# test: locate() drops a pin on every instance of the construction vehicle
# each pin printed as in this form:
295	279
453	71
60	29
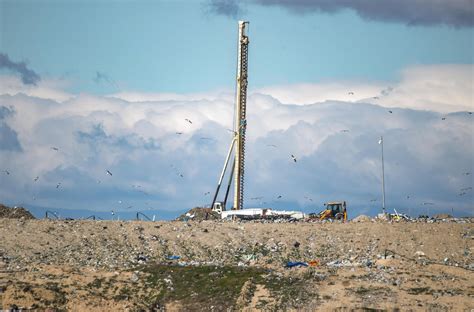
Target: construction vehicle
334	211
240	125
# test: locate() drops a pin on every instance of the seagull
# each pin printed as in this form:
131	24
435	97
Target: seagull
294	158
344	130
54	148
179	133
182	176
470	113
310	199
279	196
467	173
256	198
207	193
58	185
462	193
129	207
408	196
373	200
427	203
188	120
466	189
350	93
36	179
375	97
7	172
444	118
272	145
204	138
108	172
390	112
113	212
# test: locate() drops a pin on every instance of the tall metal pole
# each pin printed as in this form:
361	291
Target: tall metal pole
383	178
240	116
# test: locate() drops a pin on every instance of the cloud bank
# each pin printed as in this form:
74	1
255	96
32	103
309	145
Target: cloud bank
160	161
457	13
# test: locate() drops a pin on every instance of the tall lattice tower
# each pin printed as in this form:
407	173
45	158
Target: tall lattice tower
240	116
240	125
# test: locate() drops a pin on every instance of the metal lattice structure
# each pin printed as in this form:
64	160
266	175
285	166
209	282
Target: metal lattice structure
240	127
240	115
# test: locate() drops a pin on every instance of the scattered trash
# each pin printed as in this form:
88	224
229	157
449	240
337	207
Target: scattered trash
313	263
296	264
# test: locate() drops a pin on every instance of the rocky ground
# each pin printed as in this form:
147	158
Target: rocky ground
79	265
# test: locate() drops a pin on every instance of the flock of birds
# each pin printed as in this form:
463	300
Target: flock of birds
463	191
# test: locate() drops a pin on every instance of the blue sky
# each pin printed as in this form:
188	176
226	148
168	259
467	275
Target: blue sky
181	46
110	84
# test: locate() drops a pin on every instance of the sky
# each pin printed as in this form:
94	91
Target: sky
90	86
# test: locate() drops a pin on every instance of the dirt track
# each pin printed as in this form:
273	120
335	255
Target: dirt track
79	265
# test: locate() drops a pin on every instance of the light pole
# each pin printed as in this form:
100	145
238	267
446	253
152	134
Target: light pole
383	177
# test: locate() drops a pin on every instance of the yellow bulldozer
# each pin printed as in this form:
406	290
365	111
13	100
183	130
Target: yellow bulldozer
334	211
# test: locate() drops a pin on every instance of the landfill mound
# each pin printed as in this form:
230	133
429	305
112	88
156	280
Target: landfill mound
199	214
15	213
84	265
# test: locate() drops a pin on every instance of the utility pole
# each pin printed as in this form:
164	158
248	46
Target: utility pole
383	178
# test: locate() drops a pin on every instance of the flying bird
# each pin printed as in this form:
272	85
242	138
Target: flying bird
182	176
344	130
7	172
272	145
256	198
108	172
207	193
129	207
188	120
279	196
98	181
470	113
466	189
427	203
375	97
310	199
58	185
462	193
373	200
54	148
36	179
444	118
294	158
350	93
179	133
390	112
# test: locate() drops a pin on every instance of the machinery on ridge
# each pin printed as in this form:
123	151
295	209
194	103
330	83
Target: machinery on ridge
240	125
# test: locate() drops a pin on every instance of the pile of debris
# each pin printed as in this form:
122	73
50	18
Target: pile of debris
15	213
199	214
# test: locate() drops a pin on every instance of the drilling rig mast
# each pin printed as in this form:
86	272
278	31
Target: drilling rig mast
240	126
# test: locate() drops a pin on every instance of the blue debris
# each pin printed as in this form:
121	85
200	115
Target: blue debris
173	257
296	264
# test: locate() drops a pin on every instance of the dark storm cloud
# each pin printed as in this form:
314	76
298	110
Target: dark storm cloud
28	76
457	13
229	8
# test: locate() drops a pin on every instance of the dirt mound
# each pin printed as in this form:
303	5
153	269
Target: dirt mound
199	214
443	216
361	218
15	213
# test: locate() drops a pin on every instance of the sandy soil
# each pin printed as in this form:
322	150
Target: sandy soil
124	266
